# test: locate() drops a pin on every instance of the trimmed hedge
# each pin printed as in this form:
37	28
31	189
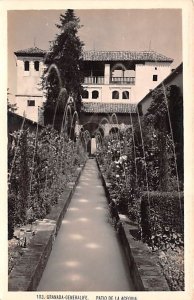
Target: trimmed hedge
162	219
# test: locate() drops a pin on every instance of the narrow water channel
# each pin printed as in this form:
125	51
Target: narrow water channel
86	255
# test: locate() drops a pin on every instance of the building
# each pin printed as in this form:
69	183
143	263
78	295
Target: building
122	76
175	113
114	82
29	95
174	78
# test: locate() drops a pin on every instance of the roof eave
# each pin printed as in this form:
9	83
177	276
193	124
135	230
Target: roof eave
29	54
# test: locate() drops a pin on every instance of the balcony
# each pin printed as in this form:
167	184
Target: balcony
122	80
113	80
94	80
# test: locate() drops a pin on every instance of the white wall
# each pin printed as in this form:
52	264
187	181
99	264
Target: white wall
143	83
28	81
105	93
31	112
29	88
144	77
173	80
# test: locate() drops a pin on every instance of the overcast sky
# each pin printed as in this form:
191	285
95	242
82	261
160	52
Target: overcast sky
126	29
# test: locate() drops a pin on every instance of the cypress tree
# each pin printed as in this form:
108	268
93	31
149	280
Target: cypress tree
66	54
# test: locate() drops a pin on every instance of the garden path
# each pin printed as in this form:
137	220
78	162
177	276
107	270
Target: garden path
86	255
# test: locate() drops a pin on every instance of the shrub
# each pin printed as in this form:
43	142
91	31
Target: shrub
43	164
162	219
172	263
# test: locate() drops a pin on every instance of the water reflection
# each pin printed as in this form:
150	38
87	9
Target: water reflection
88	246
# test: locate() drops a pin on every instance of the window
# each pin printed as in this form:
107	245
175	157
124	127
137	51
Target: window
115	95
36	65
156	68
26	66
125	95
95	94
85	94
31	103
155	77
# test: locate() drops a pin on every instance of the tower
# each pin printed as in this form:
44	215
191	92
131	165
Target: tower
29	96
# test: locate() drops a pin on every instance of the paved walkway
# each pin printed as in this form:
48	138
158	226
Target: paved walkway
86	255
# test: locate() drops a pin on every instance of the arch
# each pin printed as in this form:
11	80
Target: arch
85	94
118	66
115	95
36	65
114	130
125	95
26	65
101	130
95	94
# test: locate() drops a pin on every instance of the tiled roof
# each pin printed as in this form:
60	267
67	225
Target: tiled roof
97	107
31	51
125	55
107	55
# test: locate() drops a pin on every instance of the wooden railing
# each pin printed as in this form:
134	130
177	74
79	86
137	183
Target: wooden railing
122	80
113	80
94	80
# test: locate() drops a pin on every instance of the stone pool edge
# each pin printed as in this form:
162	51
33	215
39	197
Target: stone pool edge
27	273
142	263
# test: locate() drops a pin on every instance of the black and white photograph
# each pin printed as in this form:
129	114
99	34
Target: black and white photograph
96	153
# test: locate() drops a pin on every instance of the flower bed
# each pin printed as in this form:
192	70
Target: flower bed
41	164
129	173
162	219
172	264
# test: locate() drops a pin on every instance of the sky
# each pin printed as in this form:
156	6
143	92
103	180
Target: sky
103	29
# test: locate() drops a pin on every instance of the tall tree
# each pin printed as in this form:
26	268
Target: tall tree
66	54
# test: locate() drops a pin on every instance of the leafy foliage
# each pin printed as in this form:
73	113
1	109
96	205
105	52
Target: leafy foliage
172	264
162	219
141	167
117	157
165	115
44	163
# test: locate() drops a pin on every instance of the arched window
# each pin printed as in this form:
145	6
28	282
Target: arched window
95	95
85	94
36	65
26	66
115	95
125	95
